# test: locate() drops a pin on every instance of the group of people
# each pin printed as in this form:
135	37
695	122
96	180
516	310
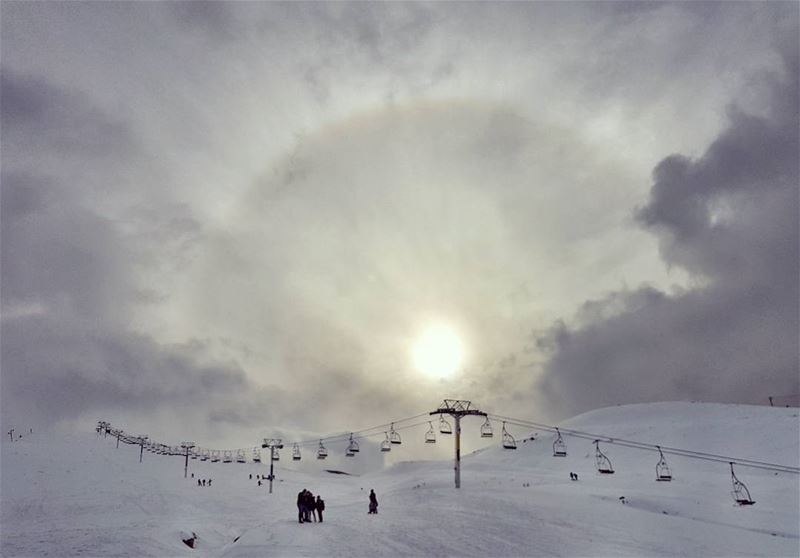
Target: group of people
308	507
259	478
203	482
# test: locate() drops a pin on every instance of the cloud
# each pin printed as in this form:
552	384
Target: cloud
729	218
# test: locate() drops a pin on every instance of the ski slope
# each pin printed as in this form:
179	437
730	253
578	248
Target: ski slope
80	496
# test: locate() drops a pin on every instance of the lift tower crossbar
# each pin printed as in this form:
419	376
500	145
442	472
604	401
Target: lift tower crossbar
457	408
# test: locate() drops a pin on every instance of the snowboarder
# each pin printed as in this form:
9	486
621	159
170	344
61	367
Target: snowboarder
373	502
320	505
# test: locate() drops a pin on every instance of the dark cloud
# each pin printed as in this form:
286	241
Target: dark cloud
39	117
729	218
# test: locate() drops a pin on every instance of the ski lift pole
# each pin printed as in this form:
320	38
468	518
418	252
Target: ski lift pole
186	446
457	408
272	444
458	451
141	446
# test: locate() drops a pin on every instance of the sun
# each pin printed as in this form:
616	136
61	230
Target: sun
438	352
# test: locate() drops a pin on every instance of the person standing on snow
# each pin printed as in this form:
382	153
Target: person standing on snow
373	502
310	507
320	505
301	506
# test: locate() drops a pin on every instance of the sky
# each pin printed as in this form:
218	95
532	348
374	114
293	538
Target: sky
223	221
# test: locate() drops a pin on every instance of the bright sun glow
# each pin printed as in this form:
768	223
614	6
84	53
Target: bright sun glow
438	352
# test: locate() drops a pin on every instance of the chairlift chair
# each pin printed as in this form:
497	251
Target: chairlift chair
663	474
204	455
444	426
740	493
603	462
348	452
430	435
559	447
352	447
193	455
296	453
322	453
276	455
486	429
508	440
215	456
386	445
240	457
256	455
227	456
394	437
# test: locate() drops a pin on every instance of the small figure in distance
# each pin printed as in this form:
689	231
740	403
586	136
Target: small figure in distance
259	482
204	482
199	483
373	502
251	476
209	482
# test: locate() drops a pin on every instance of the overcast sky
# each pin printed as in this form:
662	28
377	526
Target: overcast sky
224	221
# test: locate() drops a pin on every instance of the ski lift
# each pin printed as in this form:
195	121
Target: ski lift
444	426
227	456
508	439
322	453
740	493
559	447
430	435
215	456
386	445
276	456
194	454
296	453
240	457
663	473
486	429
352	446
256	455
348	452
394	437
204	455
603	462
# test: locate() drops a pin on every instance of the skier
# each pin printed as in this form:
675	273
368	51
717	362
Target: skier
373	502
199	483
320	506
251	476
259	483
204	482
209	482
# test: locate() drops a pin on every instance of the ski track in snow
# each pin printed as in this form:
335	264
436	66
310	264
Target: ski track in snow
80	496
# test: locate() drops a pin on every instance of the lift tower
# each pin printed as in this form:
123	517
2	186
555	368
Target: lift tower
457	408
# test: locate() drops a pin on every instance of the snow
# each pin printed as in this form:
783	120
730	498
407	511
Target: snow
80	496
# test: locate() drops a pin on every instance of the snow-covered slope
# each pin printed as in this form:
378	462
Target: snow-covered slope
79	496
